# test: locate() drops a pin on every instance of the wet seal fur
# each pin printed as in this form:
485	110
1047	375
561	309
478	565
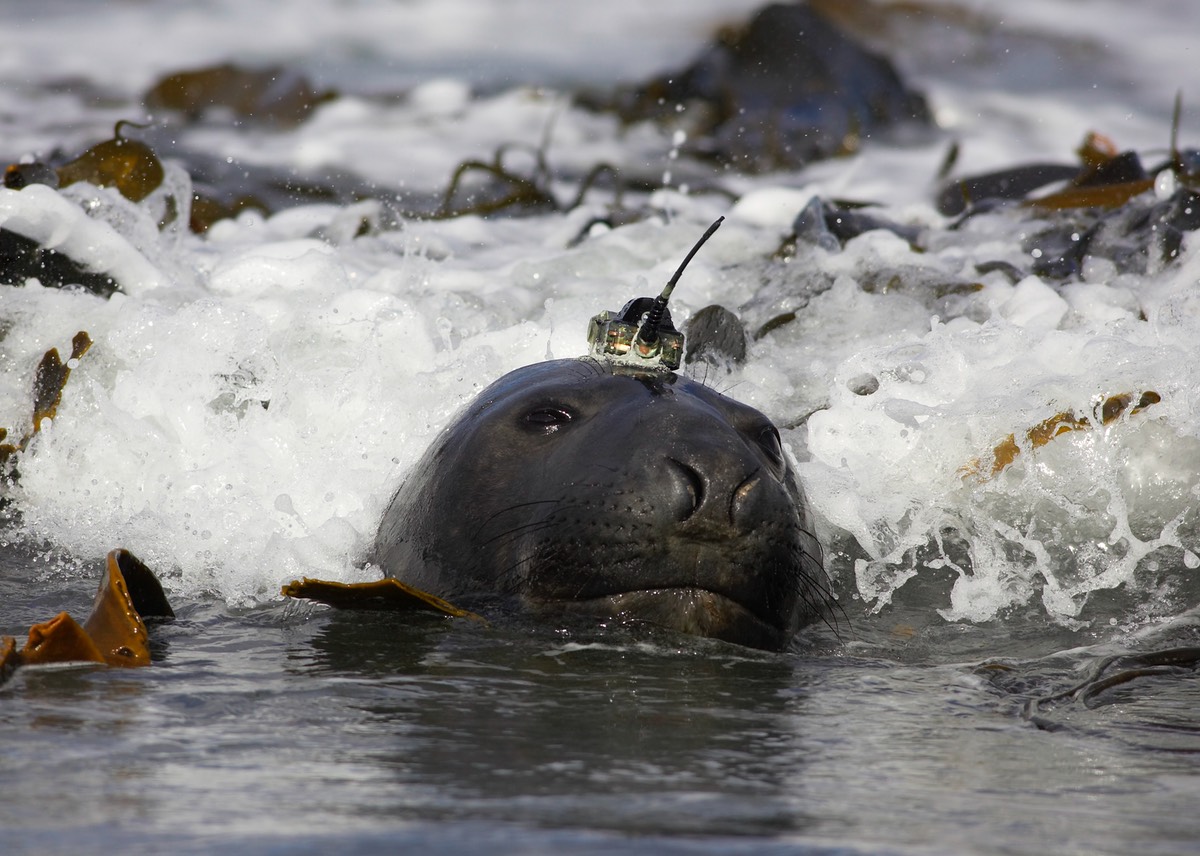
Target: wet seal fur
574	485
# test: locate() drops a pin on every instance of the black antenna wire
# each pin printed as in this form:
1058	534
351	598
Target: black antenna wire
648	334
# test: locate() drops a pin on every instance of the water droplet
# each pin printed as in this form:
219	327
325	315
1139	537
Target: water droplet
1164	184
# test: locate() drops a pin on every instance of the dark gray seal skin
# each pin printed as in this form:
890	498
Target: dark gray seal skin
571	485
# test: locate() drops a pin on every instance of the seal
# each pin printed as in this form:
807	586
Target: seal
642	496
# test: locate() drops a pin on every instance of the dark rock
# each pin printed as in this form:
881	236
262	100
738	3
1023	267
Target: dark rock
715	334
1142	232
785	89
810	227
830	225
22	259
19	175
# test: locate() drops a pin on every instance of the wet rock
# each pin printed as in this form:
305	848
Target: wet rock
1111	207
1143	232
786	88
863	384
64	242
22	259
830	225
811	227
19	175
273	96
714	334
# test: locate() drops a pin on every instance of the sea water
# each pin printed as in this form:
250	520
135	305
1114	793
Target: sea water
258	392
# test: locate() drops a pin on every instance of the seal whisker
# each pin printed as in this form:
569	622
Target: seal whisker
511	508
524	529
542	558
818	596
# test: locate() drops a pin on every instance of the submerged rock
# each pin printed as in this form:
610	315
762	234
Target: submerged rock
785	89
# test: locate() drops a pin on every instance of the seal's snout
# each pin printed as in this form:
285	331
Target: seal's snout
723	497
718	483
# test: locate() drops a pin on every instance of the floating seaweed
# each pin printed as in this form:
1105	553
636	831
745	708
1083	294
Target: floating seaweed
388	594
506	191
1105	413
1110	672
207	210
132	167
48	384
114	634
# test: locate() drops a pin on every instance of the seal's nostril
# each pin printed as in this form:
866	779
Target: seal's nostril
691	489
744	501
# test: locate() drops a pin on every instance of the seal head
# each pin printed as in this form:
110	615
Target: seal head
572	484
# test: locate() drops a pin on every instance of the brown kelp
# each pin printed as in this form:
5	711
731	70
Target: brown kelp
114	634
48	383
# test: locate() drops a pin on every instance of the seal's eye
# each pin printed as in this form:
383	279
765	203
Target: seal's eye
547	419
768	439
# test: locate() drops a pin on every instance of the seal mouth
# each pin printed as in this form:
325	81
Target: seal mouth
688	609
